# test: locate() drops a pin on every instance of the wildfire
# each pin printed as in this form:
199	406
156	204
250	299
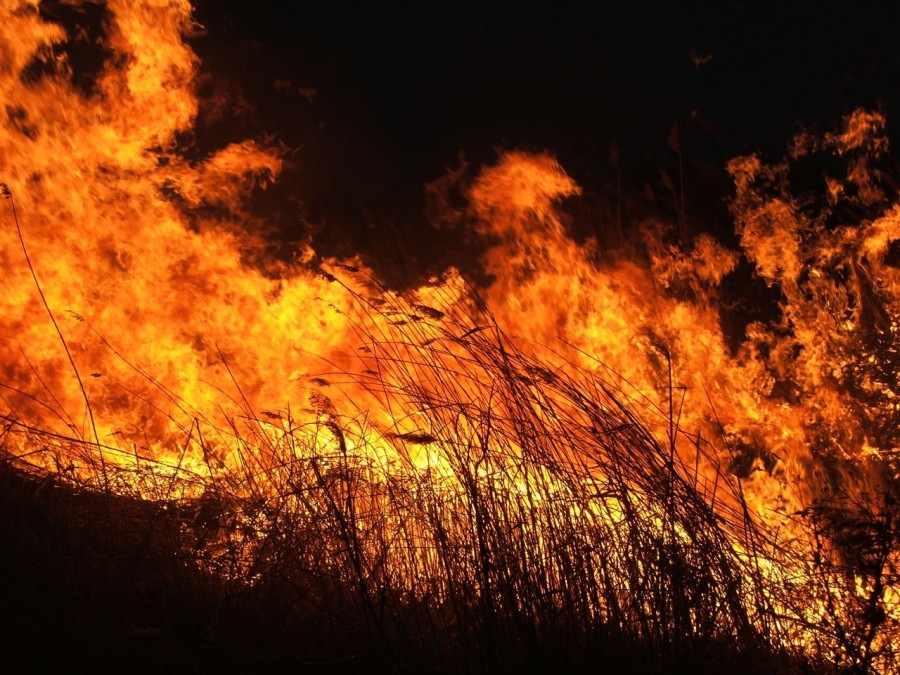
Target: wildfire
143	352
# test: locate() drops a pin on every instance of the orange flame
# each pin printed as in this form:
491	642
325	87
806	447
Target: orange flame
131	319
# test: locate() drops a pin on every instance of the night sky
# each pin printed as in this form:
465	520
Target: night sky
380	100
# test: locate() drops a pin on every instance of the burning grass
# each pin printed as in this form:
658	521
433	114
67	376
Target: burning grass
526	520
218	461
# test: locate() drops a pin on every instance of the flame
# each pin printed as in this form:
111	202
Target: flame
136	328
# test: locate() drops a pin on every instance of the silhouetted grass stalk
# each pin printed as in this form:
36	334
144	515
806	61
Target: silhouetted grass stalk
546	518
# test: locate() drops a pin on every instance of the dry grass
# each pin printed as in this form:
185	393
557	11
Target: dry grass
554	532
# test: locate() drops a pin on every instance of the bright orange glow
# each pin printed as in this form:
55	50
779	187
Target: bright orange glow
135	331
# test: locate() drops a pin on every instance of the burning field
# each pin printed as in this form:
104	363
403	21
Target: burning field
218	459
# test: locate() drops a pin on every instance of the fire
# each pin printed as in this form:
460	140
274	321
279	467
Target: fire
140	333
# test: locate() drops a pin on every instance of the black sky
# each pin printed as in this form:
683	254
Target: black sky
401	90
434	75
